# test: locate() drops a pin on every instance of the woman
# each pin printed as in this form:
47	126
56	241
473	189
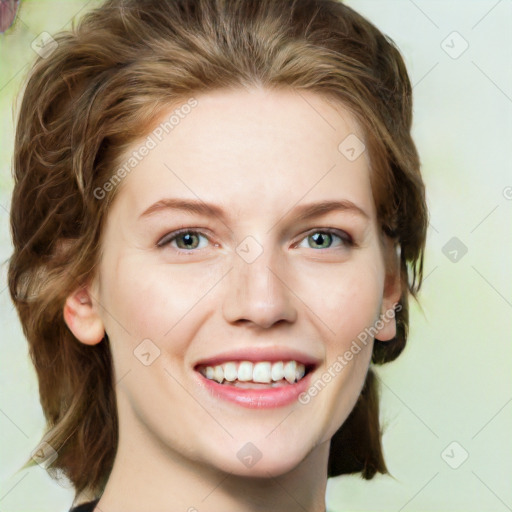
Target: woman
227	221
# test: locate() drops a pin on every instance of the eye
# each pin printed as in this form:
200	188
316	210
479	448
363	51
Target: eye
186	240
189	240
322	238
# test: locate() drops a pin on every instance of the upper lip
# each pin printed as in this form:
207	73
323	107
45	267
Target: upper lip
255	354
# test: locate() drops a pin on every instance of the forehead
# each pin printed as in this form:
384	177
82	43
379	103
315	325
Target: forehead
259	147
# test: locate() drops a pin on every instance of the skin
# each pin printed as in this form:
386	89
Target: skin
258	154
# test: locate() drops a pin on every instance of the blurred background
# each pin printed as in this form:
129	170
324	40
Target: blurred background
446	405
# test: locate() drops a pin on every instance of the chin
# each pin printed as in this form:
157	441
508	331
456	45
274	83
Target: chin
261	459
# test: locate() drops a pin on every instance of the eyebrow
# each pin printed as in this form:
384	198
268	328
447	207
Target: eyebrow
301	212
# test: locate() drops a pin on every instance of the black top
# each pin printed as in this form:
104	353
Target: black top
85	507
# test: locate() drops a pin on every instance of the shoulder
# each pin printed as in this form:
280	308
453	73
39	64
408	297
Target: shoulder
85	507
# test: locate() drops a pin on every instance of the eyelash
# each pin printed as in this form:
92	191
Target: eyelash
166	240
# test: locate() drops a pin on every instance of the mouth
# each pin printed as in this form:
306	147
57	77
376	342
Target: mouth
256	379
256	374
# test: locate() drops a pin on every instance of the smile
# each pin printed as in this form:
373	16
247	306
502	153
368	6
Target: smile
245	374
256	384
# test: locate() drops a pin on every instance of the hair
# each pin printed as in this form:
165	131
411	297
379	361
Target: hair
105	84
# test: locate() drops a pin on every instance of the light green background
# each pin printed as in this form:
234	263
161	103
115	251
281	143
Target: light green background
453	381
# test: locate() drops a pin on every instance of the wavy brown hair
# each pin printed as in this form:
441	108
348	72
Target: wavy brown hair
99	91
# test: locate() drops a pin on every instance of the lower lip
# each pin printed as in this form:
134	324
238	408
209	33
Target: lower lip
257	398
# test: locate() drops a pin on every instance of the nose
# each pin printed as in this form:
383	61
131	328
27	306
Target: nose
258	292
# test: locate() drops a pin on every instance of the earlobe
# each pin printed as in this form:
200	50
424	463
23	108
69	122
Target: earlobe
82	318
386	324
390	299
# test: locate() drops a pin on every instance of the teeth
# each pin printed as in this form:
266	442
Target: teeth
277	371
262	372
300	372
289	371
230	372
245	371
218	374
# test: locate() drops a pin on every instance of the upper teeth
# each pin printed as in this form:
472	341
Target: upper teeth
263	371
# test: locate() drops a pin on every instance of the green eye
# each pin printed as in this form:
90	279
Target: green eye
190	240
186	240
323	239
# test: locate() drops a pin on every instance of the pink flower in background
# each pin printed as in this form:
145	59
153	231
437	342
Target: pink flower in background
8	9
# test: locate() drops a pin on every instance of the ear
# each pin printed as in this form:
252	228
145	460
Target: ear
82	318
391	293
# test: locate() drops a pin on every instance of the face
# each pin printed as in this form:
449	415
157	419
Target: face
261	277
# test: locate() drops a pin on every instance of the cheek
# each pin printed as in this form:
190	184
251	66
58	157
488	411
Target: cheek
156	301
351	304
343	298
358	306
